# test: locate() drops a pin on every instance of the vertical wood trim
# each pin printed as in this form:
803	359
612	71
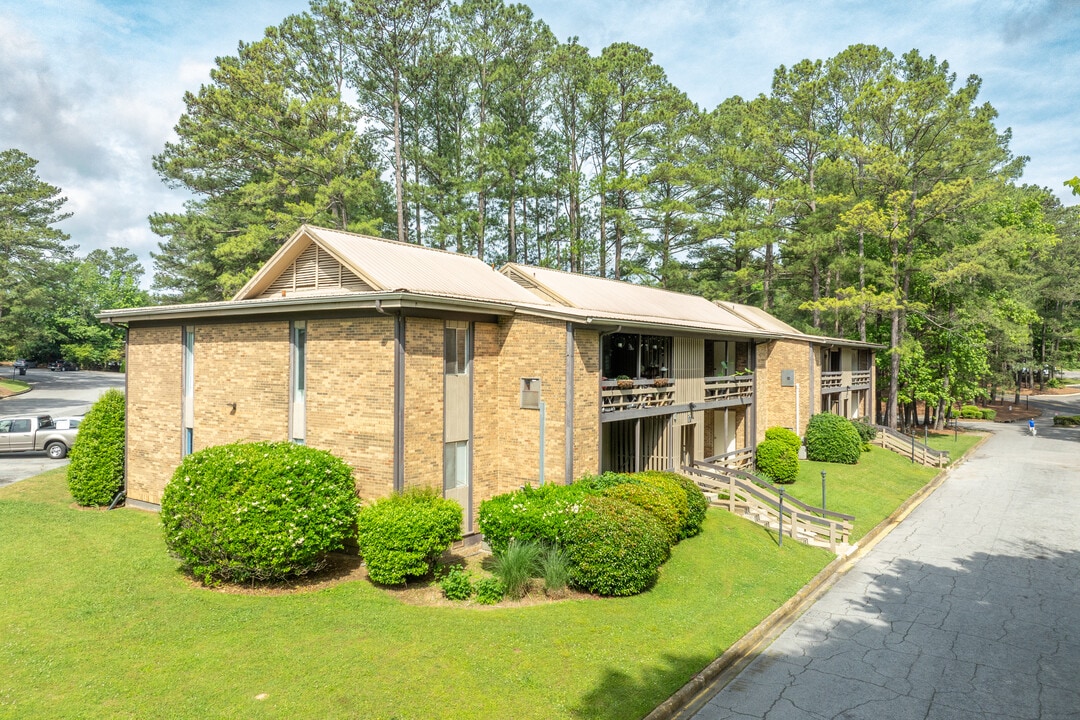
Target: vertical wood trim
754	405
568	469
399	403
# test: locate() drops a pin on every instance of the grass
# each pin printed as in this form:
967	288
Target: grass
8	387
96	621
877	485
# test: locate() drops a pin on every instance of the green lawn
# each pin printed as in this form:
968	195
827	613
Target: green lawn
13	386
96	621
877	485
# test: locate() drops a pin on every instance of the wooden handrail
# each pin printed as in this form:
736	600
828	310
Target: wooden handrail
761	482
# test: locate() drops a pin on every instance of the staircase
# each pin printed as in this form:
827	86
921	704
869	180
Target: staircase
745	494
908	446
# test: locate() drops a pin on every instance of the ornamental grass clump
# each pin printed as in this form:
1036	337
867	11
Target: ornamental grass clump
517	566
555	569
831	438
403	536
255	512
96	472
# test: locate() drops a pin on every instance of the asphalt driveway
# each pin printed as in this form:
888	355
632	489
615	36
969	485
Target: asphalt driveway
968	609
52	393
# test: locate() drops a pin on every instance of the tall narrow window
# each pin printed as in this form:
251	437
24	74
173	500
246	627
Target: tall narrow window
455	344
187	412
298	381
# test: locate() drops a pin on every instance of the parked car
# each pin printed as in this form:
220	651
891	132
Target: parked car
40	432
62	365
20	365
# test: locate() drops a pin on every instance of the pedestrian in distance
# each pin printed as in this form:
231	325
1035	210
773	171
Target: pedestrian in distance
1031	426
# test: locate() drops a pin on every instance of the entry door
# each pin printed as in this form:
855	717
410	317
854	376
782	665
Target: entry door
686	452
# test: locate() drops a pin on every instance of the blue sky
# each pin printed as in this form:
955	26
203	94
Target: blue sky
92	88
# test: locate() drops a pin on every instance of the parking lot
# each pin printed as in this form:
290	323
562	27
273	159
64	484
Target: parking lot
52	393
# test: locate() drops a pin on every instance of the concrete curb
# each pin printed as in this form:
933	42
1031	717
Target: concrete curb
696	693
16	394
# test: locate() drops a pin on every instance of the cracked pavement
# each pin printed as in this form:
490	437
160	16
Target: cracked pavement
970	608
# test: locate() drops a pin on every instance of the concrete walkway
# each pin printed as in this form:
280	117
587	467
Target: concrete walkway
969	609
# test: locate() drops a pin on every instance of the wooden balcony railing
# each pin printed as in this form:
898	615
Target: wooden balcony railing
860	378
642	394
831	380
727	387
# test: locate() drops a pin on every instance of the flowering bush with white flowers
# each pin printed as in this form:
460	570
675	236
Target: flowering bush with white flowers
254	512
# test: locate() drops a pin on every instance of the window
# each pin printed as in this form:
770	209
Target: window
455	465
298	381
187	412
455	347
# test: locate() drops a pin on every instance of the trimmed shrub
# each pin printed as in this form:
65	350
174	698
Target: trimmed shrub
403	535
1067	420
536	514
258	511
614	547
696	504
654	501
989	414
597	484
788	437
778	460
971	412
456	585
867	432
96	472
489	591
831	438
517	566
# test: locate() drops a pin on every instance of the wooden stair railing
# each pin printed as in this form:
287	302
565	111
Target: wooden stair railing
908	446
745	494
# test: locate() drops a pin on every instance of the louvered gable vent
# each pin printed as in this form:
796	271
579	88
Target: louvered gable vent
315	269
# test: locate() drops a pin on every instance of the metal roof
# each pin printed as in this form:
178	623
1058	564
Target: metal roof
617	299
391	266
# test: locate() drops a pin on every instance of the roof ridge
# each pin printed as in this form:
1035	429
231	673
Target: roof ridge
390	241
605	279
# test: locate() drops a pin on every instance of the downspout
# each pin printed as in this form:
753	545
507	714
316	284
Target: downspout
399	396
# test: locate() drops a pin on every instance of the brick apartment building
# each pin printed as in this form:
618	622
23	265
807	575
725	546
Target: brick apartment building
421	367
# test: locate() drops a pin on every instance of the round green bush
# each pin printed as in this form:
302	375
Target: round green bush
989	414
258	511
971	412
456	585
536	514
696	504
674	491
654	501
778	460
96	471
788	437
614	547
867	432
403	535
831	438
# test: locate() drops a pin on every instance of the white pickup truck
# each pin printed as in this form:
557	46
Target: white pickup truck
38	432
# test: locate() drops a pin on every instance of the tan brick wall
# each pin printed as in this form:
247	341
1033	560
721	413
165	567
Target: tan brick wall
350	397
776	404
246	364
154	357
424	403
586	402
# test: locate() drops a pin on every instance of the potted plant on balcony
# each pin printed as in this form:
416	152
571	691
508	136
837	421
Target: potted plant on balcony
661	382
623	382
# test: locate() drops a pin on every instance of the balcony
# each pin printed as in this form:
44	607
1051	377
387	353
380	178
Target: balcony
729	387
832	382
619	395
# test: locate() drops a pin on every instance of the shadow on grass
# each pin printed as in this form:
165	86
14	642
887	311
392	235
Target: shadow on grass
621	694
